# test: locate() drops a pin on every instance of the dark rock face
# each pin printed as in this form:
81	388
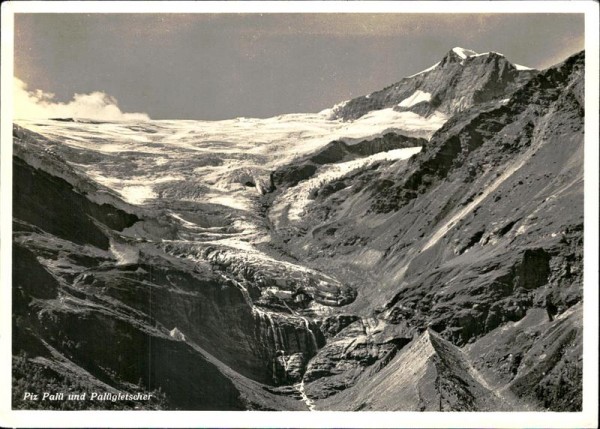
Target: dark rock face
171	365
49	203
451	280
331	326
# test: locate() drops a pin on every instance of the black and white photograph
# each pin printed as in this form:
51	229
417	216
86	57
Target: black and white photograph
354	210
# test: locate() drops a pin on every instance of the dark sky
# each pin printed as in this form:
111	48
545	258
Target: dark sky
216	66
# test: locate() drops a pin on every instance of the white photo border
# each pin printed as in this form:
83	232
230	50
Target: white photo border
587	418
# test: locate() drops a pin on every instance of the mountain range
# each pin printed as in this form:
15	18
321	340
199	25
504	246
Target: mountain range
419	248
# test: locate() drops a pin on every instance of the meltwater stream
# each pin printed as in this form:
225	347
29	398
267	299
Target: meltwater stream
309	403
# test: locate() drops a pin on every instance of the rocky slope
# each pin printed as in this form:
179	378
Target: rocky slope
305	263
477	230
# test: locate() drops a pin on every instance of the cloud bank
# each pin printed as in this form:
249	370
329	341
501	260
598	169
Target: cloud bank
39	104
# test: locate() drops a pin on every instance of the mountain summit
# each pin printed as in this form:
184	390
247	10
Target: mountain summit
461	79
463	53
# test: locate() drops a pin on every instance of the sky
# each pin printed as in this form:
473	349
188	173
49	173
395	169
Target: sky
220	66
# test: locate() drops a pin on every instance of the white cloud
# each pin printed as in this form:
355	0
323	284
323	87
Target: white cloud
41	105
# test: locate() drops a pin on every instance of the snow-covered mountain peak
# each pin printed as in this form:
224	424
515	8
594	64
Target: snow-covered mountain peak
463	53
460	80
466	56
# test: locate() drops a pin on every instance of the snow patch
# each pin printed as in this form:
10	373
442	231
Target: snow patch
521	230
463	53
520	67
425	71
137	194
487	53
417	97
124	254
177	334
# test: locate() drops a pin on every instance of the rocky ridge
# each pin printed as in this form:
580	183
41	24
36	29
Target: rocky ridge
462	79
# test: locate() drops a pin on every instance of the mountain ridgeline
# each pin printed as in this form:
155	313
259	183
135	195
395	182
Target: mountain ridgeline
382	272
460	80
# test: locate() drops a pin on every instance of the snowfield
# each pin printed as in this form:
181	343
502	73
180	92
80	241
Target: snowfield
202	160
163	165
417	97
